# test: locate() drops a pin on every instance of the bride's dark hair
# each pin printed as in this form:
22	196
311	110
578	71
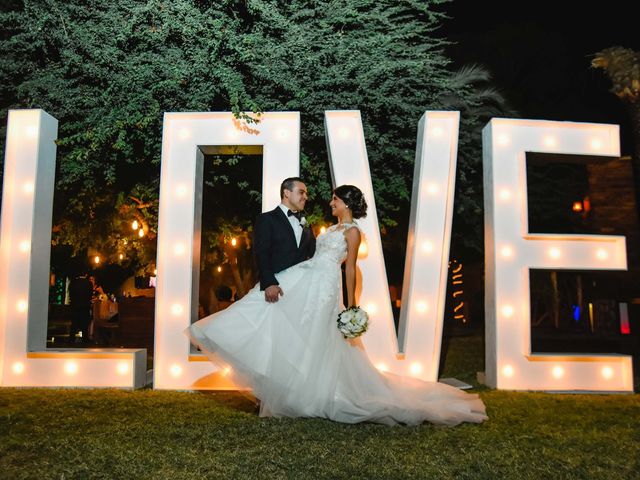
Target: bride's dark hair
353	199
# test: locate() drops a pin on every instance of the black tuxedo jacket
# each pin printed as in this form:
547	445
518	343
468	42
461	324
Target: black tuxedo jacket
275	247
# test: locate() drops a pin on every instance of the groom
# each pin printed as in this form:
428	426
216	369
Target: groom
282	238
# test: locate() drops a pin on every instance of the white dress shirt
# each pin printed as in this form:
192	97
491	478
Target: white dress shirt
295	224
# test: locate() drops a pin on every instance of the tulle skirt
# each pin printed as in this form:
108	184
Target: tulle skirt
297	363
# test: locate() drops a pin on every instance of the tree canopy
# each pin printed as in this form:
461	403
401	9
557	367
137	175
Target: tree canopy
109	70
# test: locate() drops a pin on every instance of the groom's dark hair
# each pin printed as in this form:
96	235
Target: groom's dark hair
288	183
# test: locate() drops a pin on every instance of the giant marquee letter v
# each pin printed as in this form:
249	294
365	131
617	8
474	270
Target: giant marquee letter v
416	349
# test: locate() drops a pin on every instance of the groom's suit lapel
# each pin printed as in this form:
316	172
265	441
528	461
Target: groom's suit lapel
282	218
306	231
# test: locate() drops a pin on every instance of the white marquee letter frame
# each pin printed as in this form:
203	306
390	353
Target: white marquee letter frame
510	251
416	350
185	136
25	246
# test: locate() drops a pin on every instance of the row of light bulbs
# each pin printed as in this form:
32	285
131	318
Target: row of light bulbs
508	371
506	252
558	372
233	133
70	368
550	141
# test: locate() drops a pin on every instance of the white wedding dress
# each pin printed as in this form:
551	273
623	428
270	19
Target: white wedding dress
298	364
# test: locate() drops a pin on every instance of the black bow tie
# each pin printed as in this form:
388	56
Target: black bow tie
297	214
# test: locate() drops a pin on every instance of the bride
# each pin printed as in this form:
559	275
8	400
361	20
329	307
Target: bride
293	357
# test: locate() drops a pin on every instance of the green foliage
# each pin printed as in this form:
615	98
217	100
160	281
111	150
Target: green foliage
108	72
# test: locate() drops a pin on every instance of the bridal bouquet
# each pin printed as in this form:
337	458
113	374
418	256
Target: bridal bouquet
353	322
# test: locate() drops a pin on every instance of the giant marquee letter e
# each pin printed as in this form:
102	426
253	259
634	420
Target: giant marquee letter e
25	246
510	251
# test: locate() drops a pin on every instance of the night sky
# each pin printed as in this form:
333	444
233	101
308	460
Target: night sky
539	54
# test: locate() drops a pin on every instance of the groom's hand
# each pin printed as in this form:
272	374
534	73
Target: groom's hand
271	293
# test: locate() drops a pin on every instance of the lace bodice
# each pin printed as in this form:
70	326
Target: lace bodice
332	244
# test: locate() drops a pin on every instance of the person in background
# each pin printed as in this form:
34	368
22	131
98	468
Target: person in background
81	294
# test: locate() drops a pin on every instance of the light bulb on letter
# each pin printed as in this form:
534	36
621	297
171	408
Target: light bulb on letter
607	372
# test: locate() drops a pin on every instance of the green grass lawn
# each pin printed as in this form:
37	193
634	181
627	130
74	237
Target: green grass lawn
73	433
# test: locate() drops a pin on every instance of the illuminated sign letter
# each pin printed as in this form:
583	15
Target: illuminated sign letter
416	349
25	246
185	139
510	251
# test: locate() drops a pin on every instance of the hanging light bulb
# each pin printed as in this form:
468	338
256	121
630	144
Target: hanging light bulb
134	225
141	233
